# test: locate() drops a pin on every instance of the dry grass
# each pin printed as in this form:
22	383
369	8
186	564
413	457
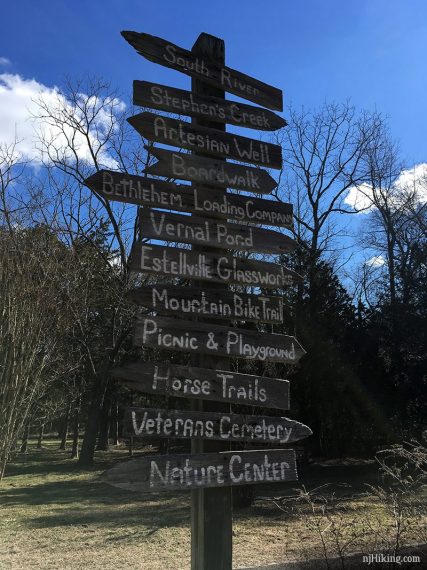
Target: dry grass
54	516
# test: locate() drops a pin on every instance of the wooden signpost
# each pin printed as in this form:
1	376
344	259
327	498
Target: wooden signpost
215	268
203	170
181	102
209	303
155	193
220	225
199	231
146	422
206	141
186	472
166	379
203	338
167	54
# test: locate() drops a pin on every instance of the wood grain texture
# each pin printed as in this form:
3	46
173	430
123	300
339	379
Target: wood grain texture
209	171
213	268
179	228
192	382
206	338
181	102
156	193
211	509
165	53
219	426
188	472
188	301
206	140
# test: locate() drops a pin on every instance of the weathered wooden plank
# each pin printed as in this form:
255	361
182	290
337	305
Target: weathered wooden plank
156	193
209	303
169	55
205	338
211	509
187	472
219	426
205	140
166	379
179	228
215	268
209	171
181	102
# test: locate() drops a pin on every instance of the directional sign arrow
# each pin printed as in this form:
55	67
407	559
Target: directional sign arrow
181	102
156	193
203	338
204	384
211	303
209	171
225	269
150	422
185	472
205	140
169	55
199	231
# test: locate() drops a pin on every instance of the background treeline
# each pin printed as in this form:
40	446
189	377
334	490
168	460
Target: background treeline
64	319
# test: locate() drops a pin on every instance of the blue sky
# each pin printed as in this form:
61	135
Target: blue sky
372	51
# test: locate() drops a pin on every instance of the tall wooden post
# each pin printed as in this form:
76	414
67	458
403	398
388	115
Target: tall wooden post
211	508
208	474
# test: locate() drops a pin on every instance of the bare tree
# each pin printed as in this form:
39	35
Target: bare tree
84	131
12	168
323	159
30	319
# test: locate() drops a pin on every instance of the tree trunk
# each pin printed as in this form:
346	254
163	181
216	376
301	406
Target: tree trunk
41	434
114	419
76	427
25	436
98	393
64	431
92	425
104	424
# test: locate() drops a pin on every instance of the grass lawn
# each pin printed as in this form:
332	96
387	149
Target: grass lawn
56	516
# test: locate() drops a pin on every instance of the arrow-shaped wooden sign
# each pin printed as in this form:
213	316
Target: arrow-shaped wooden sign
148	422
211	303
179	228
164	379
180	102
206	141
211	172
216	268
186	472
156	193
205	338
169	55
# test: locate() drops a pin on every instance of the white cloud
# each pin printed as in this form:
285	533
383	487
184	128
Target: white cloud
18	109
376	261
4	61
415	179
360	198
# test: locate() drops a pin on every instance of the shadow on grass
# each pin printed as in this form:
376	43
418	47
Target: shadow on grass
54	480
146	517
90	503
48	477
56	462
346	484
